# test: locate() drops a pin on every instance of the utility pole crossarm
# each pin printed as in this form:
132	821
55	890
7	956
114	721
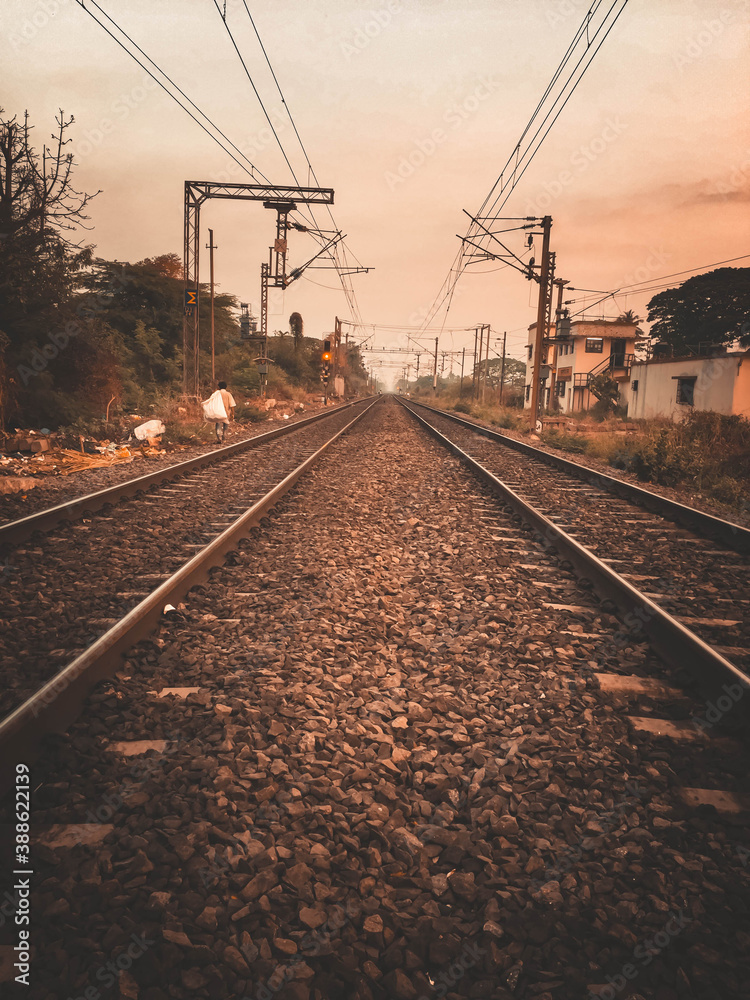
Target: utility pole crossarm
260	192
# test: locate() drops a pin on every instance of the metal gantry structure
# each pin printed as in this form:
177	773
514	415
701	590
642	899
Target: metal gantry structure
281	198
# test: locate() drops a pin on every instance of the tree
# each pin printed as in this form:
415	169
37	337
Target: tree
38	197
168	265
606	390
296	326
711	309
39	263
628	317
514	375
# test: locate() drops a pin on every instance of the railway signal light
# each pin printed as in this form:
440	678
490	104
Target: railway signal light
326	351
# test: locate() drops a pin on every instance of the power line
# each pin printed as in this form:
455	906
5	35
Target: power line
255	90
634	290
457	269
347	287
248	166
253	169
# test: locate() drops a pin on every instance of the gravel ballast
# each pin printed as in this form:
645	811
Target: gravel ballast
63	589
398	778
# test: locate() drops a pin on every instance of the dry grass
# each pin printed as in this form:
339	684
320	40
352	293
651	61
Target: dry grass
708	451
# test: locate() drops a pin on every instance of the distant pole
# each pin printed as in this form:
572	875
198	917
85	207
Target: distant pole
474	369
434	369
502	371
336	350
478	390
211	249
461	384
544	291
486	363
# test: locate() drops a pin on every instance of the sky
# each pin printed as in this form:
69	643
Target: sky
408	109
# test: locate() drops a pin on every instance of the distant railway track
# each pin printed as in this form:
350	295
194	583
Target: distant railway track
50	696
690	599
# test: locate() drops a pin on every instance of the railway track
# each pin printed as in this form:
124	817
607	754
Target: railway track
73	605
733	536
688	592
375	761
18	529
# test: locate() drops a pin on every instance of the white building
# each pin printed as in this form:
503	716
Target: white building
591	347
672	387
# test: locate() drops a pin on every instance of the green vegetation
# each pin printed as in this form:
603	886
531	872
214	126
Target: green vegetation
497	416
707	309
83	339
709	452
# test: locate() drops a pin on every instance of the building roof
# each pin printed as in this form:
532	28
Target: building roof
594	322
682	358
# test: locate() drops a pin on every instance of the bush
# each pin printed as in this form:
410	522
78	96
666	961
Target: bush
576	443
461	407
193	432
250	414
508	420
708	451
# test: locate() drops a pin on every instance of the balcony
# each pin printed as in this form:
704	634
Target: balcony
618	365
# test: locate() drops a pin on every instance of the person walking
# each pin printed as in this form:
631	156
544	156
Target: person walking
229	406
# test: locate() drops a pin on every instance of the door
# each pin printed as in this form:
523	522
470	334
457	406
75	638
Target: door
619	346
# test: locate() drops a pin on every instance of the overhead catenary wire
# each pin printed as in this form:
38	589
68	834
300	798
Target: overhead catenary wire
333	253
252	168
255	90
653	284
659	277
186	103
506	186
518	176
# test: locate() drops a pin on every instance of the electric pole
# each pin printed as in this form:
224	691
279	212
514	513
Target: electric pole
461	384
502	370
337	351
211	247
434	369
474	369
478	337
541	314
561	283
487	362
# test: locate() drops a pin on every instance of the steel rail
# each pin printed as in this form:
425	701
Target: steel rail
58	702
734	536
669	637
17	531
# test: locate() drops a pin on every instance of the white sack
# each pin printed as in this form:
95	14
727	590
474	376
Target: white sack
213	407
151	429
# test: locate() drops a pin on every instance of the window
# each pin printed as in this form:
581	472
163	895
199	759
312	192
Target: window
594	345
560	388
528	392
686	390
531	350
634	385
